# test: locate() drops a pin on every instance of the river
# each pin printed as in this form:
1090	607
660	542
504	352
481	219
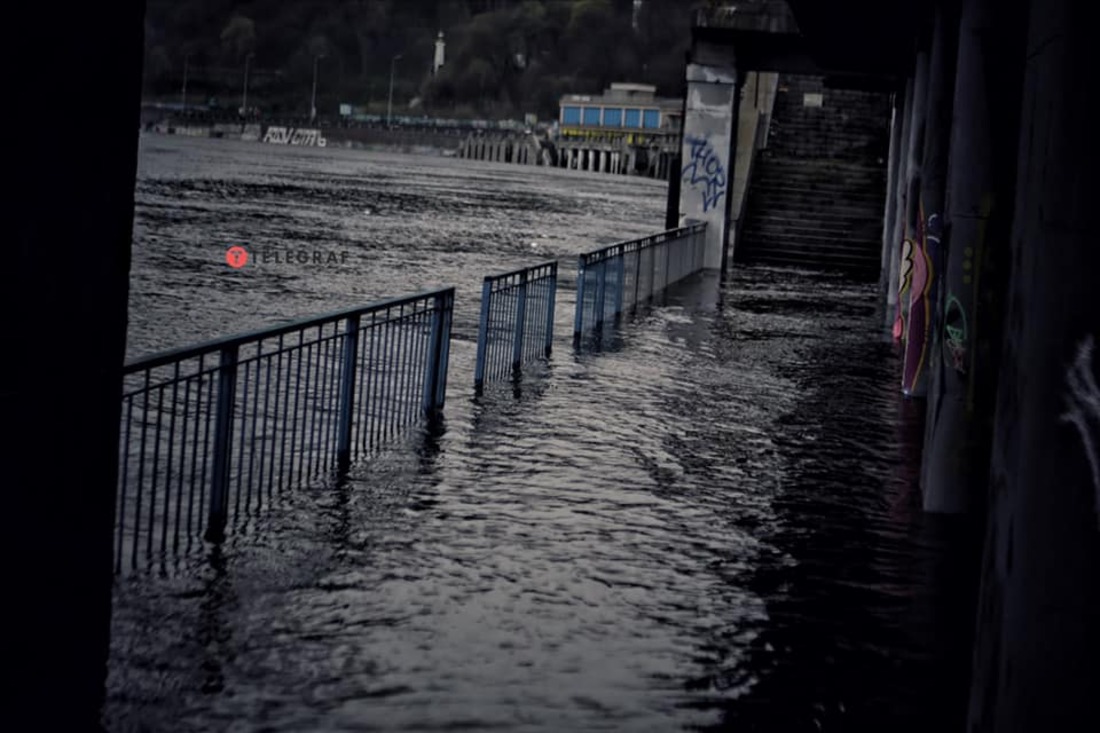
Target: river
712	524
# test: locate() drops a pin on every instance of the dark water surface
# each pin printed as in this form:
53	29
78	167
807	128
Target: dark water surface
713	523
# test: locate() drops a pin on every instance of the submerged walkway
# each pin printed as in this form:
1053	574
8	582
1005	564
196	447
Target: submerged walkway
710	523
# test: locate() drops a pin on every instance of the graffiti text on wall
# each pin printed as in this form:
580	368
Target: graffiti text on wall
704	167
294	136
1083	410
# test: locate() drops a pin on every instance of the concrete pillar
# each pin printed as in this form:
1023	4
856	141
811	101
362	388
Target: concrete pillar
708	145
891	190
981	179
927	250
897	233
1038	637
911	219
60	386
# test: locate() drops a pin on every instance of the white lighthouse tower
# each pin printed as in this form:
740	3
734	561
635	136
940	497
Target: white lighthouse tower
440	50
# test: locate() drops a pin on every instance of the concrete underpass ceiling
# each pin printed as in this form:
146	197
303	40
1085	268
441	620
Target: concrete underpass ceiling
853	43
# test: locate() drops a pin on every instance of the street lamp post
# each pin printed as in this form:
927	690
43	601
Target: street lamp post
313	96
389	106
244	96
183	90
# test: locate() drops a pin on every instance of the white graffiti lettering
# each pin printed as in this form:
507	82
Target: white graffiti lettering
1083	409
705	168
292	136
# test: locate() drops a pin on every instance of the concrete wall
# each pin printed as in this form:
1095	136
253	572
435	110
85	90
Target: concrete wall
757	101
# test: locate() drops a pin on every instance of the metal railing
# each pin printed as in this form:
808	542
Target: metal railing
619	276
517	321
214	430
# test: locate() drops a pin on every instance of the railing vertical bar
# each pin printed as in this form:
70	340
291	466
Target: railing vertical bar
285	476
125	479
252	434
168	461
182	464
482	334
368	414
242	416
141	472
521	322
153	479
207	474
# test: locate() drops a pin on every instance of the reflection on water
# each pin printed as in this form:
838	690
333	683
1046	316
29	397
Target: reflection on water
712	523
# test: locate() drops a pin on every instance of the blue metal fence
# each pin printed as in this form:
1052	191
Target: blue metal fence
618	277
209	432
517	321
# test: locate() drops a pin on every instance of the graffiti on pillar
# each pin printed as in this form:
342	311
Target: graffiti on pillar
292	136
920	307
704	168
905	275
955	333
1083	408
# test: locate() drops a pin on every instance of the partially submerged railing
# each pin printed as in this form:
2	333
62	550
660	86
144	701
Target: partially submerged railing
215	429
517	321
615	278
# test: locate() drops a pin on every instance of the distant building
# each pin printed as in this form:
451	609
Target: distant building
622	108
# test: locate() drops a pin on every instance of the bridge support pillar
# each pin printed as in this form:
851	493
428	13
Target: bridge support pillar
60	393
709	145
893	164
897	230
1038	637
921	344
981	179
910	203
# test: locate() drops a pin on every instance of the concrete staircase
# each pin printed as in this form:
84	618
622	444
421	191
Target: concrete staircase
818	189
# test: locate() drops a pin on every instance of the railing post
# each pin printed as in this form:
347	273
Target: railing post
347	393
483	334
601	292
620	285
668	261
521	323
637	278
578	315
435	382
223	439
550	303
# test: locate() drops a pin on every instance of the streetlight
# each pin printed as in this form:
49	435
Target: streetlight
183	91
389	107
244	97
313	97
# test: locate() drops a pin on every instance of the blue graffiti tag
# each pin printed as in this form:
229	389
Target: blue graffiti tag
705	167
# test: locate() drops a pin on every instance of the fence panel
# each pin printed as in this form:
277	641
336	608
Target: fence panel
517	321
616	278
210	433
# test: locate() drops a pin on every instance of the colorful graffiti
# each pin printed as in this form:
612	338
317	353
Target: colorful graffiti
905	278
1083	409
918	333
955	333
704	167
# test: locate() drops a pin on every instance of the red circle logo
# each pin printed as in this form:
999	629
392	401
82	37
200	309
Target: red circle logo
236	257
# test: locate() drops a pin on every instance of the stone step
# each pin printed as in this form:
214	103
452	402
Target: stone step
818	187
774	221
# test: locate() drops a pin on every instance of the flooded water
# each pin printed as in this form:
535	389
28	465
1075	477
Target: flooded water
711	524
